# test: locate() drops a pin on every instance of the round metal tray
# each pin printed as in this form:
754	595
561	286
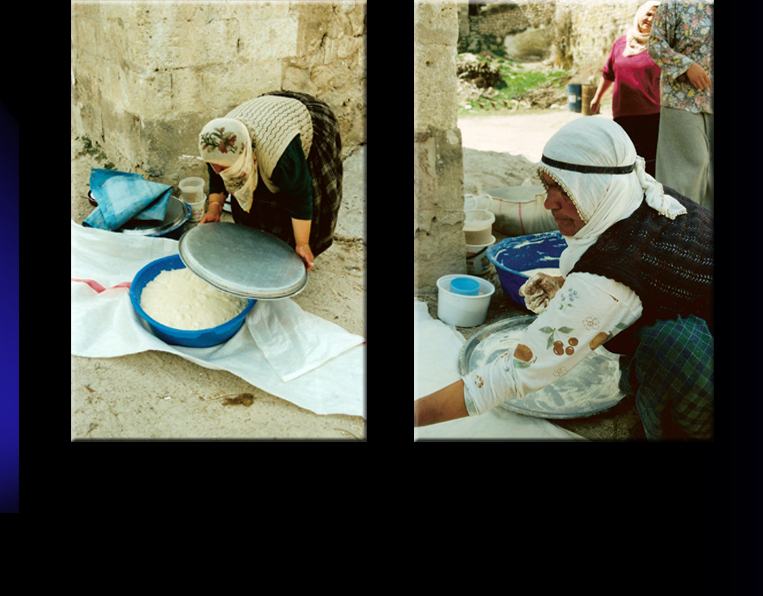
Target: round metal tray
589	388
243	261
176	215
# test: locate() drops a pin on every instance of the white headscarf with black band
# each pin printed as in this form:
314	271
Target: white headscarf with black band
595	162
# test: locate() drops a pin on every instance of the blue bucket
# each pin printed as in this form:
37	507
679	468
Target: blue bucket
201	338
512	256
575	97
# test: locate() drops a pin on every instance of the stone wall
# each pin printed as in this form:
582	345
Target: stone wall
572	32
439	247
586	30
503	19
524	28
146	77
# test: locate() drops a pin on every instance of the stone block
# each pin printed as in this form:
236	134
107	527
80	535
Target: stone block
439	245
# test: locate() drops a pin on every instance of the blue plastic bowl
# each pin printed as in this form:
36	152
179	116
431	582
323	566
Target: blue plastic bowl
514	255
201	338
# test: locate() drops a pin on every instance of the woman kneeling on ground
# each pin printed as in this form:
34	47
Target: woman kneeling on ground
279	156
637	277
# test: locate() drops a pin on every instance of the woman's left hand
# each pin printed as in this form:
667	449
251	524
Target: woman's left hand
303	250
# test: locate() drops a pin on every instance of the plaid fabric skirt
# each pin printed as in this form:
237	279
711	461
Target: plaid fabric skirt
325	165
671	375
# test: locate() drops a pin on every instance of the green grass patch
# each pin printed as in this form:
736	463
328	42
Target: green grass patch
516	80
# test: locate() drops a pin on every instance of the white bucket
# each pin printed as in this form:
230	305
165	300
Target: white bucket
520	210
197	208
463	311
191	186
478	226
476	258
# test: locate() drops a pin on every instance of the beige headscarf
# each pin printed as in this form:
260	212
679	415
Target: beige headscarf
251	139
593	159
226	142
638	40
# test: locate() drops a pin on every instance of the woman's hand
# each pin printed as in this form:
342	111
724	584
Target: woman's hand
539	290
600	91
697	77
213	213
301	240
215	209
303	250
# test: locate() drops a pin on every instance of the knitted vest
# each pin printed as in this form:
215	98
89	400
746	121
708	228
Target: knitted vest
668	263
273	122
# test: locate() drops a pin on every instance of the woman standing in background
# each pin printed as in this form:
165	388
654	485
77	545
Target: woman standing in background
636	77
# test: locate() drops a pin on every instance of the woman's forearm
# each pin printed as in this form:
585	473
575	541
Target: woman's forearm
217	197
440	406
301	230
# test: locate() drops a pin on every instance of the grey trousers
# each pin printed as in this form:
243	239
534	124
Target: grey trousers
685	154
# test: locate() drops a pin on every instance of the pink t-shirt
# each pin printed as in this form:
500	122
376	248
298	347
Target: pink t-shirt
637	82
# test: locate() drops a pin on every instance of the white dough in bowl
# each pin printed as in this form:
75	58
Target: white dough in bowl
182	300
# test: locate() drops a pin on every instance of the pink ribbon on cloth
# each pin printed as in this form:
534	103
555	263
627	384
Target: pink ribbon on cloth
99	288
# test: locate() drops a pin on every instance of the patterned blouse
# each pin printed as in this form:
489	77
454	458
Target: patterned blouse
587	311
682	33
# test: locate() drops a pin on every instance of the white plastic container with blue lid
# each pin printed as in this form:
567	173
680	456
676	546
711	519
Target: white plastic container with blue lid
461	310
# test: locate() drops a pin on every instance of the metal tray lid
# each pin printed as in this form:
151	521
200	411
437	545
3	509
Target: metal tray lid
177	214
243	261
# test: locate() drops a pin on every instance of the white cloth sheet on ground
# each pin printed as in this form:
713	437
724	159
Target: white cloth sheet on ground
281	349
436	347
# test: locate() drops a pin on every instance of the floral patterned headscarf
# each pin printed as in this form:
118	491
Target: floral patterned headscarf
226	142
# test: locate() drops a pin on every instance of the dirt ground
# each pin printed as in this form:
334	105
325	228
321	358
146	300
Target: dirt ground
523	132
159	395
519	139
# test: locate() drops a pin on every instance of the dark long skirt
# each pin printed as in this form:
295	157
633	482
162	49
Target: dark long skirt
643	131
671	375
325	165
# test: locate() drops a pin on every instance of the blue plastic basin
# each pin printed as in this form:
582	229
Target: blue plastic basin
201	338
512	256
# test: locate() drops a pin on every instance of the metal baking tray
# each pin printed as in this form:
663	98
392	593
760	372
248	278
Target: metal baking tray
592	387
176	215
243	261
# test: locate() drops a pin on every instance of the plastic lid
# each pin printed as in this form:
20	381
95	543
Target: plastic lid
243	261
465	286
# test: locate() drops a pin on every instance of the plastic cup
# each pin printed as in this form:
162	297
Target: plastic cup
476	258
464	286
197	207
192	185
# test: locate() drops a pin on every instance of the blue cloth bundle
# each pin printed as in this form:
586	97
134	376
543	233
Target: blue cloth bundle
123	196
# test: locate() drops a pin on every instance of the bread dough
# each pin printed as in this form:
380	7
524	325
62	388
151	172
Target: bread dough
182	300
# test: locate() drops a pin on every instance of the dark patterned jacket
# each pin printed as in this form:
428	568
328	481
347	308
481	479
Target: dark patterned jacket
667	262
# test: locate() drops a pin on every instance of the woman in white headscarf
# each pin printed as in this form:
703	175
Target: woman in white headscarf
637	274
279	157
636	79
